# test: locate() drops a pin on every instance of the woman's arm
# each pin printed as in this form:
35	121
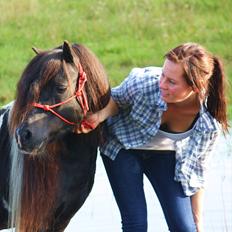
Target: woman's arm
197	208
111	109
95	119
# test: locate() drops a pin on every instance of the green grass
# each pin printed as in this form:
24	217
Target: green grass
122	33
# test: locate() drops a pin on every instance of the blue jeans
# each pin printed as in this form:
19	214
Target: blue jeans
125	174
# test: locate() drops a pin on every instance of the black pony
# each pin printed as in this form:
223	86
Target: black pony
46	168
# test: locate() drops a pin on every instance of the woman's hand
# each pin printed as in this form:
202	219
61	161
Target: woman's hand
197	209
90	122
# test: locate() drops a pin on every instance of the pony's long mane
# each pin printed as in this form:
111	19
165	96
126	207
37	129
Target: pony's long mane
35	196
97	86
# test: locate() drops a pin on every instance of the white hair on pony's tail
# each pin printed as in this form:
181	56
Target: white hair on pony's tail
15	183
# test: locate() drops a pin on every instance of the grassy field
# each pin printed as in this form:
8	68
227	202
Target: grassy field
122	33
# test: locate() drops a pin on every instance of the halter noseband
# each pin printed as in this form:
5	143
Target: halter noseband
81	97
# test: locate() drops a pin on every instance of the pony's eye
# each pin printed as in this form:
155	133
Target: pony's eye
60	88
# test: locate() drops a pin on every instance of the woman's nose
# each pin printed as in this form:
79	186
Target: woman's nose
162	84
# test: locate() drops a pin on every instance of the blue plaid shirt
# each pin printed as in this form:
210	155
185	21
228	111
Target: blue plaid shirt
139	118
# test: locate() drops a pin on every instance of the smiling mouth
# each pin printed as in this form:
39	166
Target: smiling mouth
164	94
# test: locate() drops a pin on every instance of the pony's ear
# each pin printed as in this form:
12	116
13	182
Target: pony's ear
37	50
68	52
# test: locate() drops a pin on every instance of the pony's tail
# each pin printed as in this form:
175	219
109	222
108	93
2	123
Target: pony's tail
15	187
216	102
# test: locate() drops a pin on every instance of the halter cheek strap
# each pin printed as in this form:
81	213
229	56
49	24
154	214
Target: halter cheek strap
80	95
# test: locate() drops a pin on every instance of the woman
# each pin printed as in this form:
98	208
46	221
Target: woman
163	123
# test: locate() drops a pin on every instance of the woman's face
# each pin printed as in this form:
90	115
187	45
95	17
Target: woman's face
173	86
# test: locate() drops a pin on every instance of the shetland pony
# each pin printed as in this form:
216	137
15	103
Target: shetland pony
47	169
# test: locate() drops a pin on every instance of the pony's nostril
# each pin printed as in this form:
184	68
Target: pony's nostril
23	137
26	135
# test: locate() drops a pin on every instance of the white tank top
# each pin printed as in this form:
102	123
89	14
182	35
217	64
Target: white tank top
164	140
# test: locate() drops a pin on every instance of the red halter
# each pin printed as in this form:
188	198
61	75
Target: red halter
81	97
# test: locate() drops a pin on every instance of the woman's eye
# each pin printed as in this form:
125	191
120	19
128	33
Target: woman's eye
172	82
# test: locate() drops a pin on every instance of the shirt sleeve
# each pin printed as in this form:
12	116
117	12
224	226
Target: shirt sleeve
201	163
207	144
124	94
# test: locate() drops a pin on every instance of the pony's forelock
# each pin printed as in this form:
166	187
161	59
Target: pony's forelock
37	73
